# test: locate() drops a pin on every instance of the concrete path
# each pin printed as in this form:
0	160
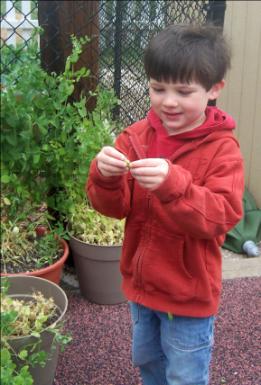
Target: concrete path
240	266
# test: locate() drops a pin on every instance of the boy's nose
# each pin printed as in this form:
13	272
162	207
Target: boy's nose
170	101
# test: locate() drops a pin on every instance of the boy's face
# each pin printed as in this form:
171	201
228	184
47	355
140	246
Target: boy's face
181	106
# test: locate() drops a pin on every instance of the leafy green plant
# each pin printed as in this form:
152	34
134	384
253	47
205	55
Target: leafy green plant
19	318
57	139
56	136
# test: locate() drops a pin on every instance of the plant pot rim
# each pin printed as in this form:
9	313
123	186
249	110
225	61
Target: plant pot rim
44	270
46	282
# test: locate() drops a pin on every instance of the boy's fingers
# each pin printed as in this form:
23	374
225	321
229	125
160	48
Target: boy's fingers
112	152
144	171
112	161
146	162
150	170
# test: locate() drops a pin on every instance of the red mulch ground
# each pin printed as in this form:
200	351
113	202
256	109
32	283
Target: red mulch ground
100	352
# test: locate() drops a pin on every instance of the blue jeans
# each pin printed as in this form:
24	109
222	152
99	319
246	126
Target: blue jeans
171	351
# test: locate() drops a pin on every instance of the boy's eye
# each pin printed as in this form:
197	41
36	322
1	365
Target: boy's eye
185	92
157	89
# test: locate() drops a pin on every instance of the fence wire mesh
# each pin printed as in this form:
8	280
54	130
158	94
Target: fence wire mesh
122	31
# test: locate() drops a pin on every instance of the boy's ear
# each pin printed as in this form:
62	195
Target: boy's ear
216	89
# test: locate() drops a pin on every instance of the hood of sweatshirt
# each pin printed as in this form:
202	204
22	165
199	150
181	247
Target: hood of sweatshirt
149	138
164	145
215	119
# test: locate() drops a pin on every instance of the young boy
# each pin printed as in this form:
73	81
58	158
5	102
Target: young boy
177	178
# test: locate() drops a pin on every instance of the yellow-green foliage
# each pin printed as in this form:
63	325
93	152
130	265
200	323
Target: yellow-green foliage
29	317
90	226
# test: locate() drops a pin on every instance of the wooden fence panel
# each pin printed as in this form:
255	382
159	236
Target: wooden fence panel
61	19
241	96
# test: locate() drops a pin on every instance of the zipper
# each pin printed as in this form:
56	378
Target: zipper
149	200
145	240
140	155
138	272
137	146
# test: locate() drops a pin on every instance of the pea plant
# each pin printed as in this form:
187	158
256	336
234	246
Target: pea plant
26	318
92	227
56	136
30	241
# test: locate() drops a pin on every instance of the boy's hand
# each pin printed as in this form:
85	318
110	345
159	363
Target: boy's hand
150	172
111	162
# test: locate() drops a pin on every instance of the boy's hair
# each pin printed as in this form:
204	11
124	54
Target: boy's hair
186	53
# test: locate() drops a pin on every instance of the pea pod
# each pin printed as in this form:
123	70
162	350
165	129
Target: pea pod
128	163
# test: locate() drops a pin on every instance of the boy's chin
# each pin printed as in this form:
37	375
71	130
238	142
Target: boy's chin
175	129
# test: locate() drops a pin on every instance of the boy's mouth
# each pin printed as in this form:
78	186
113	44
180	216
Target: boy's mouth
172	115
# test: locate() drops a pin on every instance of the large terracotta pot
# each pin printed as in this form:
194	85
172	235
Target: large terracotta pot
53	272
98	271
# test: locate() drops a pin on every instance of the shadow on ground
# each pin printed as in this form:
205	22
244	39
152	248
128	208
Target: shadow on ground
100	351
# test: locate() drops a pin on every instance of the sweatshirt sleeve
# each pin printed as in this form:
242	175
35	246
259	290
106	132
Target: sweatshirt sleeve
211	209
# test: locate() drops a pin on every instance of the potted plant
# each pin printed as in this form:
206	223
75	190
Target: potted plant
29	244
45	126
32	315
56	135
95	241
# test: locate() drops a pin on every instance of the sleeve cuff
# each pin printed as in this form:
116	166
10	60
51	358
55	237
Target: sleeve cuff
175	184
108	182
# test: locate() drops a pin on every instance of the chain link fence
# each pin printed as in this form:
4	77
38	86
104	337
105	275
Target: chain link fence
121	31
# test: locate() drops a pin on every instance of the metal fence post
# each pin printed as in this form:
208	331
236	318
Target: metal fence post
216	15
118	53
216	12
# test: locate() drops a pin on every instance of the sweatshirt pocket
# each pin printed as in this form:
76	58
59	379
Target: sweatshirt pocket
164	270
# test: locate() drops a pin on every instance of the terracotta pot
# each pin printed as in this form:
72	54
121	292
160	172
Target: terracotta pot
53	272
24	286
98	271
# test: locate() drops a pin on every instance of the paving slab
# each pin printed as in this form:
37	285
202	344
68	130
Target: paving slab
240	265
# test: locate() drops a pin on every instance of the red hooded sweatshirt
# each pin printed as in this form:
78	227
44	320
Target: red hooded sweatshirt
171	258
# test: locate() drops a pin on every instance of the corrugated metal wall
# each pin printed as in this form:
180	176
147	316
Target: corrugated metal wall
242	95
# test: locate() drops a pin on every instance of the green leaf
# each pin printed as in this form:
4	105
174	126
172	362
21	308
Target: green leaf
45	147
23	354
6	201
36	158
5	356
35	334
5	178
11	139
38	358
170	316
